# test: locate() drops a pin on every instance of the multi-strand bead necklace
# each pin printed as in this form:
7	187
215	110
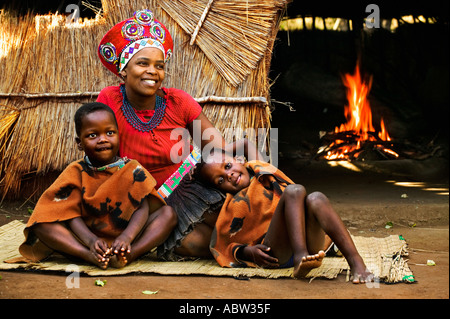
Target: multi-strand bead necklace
135	121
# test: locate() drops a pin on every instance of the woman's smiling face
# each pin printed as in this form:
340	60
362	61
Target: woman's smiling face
144	73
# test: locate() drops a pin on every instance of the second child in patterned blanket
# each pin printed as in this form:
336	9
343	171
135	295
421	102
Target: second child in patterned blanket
268	221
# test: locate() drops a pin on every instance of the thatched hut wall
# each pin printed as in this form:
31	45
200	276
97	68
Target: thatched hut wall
48	68
47	57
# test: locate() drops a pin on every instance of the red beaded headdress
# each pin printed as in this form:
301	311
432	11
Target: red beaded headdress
130	36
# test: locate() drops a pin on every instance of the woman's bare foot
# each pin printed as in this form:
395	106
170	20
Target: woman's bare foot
307	263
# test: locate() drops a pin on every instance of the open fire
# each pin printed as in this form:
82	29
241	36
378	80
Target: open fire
358	137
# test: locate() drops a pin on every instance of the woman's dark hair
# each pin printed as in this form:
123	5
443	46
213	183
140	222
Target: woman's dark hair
89	108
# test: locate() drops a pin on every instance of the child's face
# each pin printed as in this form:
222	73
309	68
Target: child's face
226	173
99	137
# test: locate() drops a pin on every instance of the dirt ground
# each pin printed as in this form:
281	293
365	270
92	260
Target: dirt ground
365	200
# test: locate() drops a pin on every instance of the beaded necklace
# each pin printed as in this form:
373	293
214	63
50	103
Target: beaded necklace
135	121
120	162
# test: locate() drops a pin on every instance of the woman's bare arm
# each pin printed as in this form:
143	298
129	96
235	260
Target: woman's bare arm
211	138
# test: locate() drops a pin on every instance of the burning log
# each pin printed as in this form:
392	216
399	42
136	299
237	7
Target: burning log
346	145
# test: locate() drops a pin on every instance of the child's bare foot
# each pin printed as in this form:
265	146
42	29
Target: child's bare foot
360	273
101	262
118	260
362	276
307	263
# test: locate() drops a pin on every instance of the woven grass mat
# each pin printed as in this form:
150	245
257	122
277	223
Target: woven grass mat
384	257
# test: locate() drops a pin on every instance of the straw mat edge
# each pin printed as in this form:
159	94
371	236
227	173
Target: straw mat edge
383	256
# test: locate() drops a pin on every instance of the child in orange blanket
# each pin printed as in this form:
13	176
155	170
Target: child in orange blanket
103	209
268	221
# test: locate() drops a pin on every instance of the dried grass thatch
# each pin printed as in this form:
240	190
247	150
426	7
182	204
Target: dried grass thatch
48	68
50	56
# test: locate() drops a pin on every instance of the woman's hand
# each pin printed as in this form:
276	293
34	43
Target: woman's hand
244	147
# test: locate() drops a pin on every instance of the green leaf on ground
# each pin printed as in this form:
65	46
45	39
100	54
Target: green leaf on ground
100	283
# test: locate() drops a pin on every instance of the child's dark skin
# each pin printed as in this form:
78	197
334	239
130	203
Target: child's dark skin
99	139
297	228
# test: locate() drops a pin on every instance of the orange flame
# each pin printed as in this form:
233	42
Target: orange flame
359	119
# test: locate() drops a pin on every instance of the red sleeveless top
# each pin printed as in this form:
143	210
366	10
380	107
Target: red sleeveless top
157	152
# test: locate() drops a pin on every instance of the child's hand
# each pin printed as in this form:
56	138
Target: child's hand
258	254
100	250
122	245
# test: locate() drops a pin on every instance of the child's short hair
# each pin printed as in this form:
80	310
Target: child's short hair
89	108
196	172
